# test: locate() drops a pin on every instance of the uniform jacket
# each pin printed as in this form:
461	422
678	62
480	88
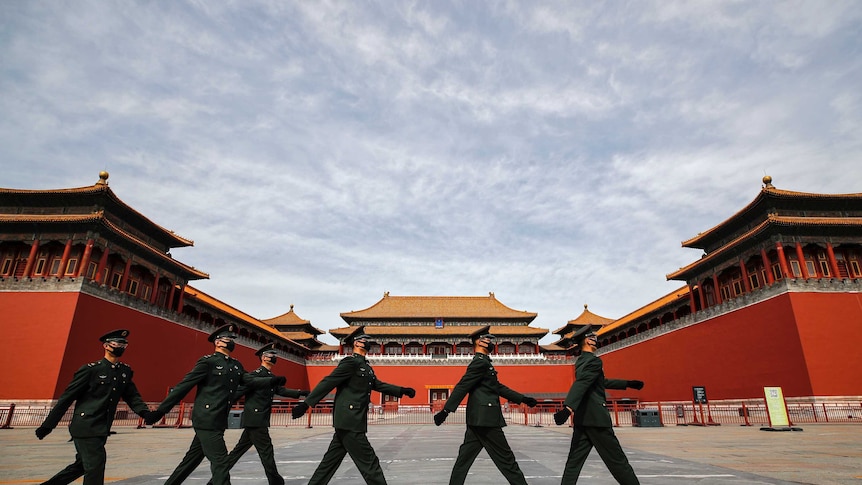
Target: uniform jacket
258	402
218	378
587	394
354	380
96	388
483	405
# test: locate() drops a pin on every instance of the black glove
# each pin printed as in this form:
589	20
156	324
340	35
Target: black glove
440	417
303	392
299	410
635	385
42	432
408	391
529	401
279	381
561	416
151	417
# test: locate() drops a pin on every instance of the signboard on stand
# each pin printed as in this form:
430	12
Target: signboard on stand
776	409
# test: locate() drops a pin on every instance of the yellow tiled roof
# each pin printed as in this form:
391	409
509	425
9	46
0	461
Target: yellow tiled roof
103	188
238	314
291	319
766	192
446	331
99	218
585	318
412	307
771	220
665	301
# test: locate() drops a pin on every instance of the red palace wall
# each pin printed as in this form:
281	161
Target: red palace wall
50	335
526	379
806	343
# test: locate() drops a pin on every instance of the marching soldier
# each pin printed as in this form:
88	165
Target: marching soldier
484	416
354	380
256	414
96	390
218	377
592	420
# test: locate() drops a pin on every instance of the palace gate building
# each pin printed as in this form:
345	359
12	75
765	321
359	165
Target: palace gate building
773	299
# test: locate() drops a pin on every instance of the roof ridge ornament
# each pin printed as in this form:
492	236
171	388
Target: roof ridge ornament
767	182
103	178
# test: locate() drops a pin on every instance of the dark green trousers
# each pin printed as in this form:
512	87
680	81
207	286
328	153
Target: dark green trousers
259	438
89	462
494	442
607	445
207	443
355	444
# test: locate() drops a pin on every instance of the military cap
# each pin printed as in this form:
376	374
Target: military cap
115	336
482	332
228	331
579	336
358	334
266	349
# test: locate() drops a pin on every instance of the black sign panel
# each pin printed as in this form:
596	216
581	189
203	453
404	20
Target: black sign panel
699	393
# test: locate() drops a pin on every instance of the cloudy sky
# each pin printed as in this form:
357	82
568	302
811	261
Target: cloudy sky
322	153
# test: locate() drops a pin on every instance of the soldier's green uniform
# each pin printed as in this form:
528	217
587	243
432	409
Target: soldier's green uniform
354	380
592	421
218	378
96	389
255	421
485	420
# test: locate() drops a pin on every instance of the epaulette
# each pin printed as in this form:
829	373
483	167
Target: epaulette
93	364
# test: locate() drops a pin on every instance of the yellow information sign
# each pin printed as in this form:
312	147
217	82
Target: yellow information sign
775	407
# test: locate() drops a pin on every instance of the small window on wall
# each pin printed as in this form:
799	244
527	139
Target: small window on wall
725	292
854	266
7	265
795	269
776	271
737	287
40	266
132	287
91	270
812	270
146	292
55	266
115	280
824	264
754	280
71	266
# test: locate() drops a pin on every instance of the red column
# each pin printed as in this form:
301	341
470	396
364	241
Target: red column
745	282
833	263
103	263
28	268
701	295
716	289
155	294
65	259
424	348
85	259
800	255
782	261
455	348
691	299
180	303
768	265
170	302
403	348
125	279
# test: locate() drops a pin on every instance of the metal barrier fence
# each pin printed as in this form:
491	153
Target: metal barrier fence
743	413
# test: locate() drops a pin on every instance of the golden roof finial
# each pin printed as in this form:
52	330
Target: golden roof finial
103	178
585	307
767	182
291	307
